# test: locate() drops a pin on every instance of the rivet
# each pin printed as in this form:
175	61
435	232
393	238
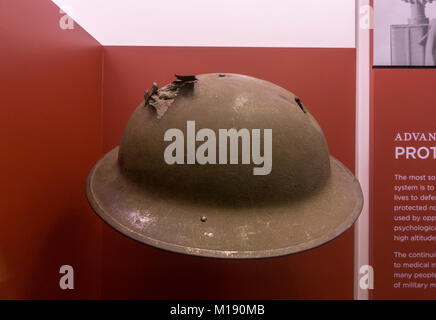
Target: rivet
203	219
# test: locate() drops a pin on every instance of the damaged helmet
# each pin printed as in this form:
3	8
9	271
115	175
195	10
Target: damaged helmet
227	166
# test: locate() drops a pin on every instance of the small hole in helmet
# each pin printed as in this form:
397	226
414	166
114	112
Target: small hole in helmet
298	101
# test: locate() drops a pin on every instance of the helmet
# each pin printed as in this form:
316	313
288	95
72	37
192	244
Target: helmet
224	165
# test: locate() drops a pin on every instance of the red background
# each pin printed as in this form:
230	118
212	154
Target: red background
63	104
50	98
325	81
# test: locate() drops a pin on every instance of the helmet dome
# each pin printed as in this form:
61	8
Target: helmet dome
298	159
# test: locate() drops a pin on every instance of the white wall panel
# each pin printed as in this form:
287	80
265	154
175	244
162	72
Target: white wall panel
256	23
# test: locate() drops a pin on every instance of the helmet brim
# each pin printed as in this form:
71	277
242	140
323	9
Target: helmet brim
233	233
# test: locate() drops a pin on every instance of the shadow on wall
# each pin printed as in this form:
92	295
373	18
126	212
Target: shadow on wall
64	245
167	275
4	271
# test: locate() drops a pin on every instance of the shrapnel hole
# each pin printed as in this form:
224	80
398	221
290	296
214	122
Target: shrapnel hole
298	101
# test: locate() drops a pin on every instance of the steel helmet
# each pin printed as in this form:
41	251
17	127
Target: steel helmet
224	165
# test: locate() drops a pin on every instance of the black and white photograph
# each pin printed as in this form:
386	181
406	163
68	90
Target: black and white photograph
404	33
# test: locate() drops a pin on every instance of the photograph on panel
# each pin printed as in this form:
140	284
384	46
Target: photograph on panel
405	33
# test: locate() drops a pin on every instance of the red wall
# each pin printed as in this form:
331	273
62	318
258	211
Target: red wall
50	97
325	81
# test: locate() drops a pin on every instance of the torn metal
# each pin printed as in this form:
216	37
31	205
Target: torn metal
161	99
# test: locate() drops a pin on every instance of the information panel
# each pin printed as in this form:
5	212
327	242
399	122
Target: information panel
404	184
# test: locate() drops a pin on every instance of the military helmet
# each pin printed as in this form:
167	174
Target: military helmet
227	166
